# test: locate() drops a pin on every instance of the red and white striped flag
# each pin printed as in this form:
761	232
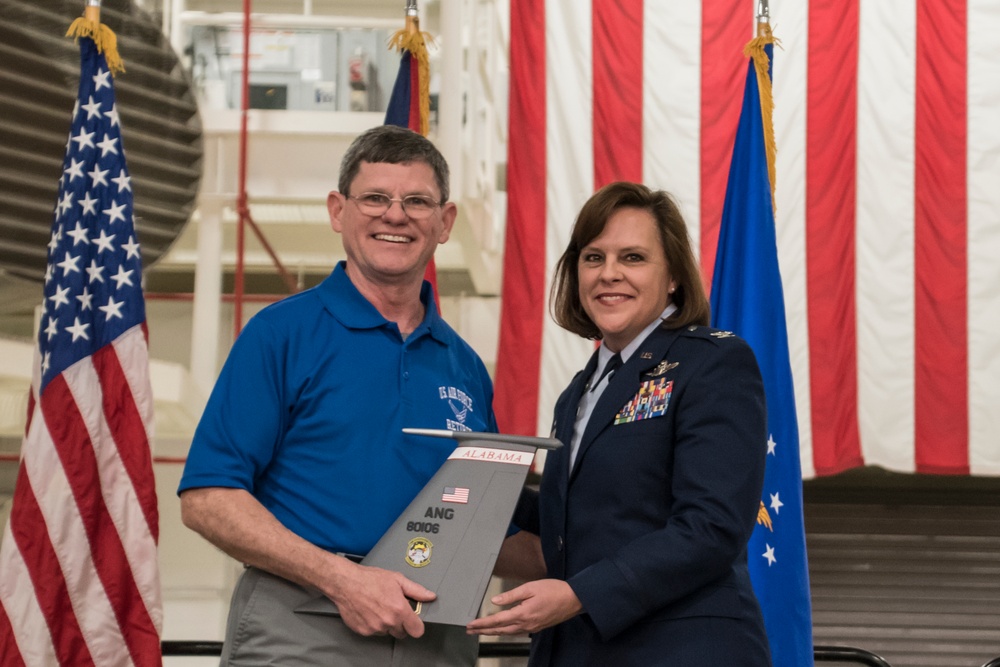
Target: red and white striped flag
79	581
888	205
453	494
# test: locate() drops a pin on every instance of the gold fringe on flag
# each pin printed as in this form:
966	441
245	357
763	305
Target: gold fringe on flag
104	38
755	49
413	40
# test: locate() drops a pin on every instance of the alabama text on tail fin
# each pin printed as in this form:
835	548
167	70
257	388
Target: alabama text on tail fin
449	537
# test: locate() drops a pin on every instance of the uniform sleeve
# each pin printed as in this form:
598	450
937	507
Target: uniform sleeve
244	418
718	472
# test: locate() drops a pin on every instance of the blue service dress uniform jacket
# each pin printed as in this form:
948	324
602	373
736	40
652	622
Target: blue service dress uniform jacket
651	525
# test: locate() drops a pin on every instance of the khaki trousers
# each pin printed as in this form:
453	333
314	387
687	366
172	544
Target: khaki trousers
263	630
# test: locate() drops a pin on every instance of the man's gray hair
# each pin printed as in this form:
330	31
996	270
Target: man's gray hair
394	145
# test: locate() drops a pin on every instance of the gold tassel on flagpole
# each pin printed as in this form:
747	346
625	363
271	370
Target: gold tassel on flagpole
755	49
413	40
105	40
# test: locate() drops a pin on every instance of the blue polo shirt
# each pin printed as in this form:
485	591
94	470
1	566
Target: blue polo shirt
308	411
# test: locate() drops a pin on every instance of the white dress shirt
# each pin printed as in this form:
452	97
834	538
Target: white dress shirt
591	394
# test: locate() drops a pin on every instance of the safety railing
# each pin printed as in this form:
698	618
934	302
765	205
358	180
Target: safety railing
848	654
519	649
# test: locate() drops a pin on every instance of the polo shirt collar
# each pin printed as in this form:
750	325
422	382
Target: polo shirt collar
354	311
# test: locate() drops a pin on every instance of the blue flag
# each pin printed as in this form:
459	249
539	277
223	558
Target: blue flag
747	299
409	104
400	110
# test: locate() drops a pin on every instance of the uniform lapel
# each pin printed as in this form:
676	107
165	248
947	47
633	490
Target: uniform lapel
624	385
566	419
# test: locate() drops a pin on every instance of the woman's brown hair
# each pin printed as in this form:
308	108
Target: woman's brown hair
689	297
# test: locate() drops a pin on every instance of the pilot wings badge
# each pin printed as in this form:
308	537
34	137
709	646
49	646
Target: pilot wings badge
662	368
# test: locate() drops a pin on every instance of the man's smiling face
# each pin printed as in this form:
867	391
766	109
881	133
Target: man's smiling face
393	247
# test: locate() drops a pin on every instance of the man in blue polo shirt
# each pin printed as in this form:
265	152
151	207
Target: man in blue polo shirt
299	456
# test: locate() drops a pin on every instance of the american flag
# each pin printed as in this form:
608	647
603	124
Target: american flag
888	210
79	583
454	494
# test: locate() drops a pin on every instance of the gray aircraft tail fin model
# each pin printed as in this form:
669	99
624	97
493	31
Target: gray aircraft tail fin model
449	537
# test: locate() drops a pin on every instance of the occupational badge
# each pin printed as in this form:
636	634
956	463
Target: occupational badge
662	368
418	552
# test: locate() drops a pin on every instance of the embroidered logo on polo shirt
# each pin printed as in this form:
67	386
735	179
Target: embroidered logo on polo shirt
418	552
460	404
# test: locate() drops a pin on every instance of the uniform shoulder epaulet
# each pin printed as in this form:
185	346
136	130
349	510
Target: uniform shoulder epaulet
707	333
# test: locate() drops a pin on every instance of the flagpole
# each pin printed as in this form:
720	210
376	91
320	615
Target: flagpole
89	25
756	49
241	178
763	19
410	39
409	103
412	17
92	11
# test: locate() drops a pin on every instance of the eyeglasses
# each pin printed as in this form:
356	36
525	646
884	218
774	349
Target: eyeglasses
417	207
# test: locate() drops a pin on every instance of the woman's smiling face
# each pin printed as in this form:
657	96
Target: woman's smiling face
624	277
